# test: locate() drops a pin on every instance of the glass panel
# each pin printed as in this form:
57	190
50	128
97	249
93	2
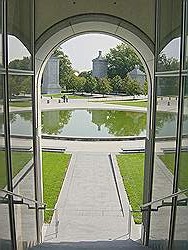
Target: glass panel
169	35
20	102
181	229
5	240
166	124
20	33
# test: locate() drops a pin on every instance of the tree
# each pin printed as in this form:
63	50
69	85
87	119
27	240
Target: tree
121	60
145	88
22	64
66	71
18	83
131	87
85	74
90	84
103	86
168	85
80	83
116	84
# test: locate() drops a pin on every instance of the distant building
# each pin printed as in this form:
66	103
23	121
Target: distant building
50	83
100	66
138	75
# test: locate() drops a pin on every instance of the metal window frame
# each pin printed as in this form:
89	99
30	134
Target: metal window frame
179	130
6	71
181	73
7	128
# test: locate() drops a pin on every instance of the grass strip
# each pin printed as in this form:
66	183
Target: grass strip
54	168
132	171
169	159
142	104
21	104
19	160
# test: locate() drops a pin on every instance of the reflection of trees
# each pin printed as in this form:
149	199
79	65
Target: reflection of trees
165	117
19	85
54	121
168	86
120	123
26	115
162	118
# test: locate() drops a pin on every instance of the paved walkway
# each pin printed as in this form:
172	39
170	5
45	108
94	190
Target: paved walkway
88	206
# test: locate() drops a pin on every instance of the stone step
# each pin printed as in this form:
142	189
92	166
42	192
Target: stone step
103	245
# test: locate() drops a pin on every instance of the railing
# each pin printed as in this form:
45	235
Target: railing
40	204
163	198
145	207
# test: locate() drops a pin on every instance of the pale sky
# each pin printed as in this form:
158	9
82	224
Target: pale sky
82	49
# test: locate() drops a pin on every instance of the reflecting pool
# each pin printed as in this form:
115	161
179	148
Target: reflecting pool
94	123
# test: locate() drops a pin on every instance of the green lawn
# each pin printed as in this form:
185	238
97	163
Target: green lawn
54	169
132	171
19	160
21	104
130	103
168	160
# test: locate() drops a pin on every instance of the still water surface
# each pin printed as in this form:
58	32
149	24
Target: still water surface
95	123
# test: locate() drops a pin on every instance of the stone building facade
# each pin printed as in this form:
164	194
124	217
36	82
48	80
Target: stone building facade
50	84
100	66
138	75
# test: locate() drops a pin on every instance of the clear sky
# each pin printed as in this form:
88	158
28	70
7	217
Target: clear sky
82	49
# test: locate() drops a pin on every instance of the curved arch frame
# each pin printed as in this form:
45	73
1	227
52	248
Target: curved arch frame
85	24
93	23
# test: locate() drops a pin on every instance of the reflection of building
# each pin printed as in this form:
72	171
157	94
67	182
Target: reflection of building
150	26
138	75
50	83
100	66
99	118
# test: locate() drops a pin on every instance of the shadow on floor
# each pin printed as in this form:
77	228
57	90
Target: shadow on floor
104	245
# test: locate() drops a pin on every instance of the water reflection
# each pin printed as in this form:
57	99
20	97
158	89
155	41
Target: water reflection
54	121
94	123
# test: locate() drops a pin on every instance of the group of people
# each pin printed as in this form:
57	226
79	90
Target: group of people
65	98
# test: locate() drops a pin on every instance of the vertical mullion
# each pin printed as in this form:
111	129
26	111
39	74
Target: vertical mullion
34	114
152	125
7	127
179	126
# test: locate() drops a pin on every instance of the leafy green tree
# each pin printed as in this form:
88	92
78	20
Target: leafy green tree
72	83
103	86
90	84
167	64
131	87
121	60
85	74
66	71
20	84
22	64
145	88
116	84
80	83
167	85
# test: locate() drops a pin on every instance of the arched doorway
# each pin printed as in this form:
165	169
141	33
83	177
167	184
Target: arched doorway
85	24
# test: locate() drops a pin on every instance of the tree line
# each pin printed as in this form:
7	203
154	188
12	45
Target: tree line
121	60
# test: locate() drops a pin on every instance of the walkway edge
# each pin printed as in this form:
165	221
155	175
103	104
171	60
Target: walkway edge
124	199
